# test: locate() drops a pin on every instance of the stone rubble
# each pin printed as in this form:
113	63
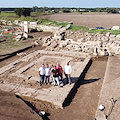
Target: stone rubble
94	44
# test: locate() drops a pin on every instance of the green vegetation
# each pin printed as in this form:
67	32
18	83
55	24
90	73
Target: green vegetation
8	14
22	11
10	43
112	10
76	28
31	19
54	23
12	16
52	10
104	31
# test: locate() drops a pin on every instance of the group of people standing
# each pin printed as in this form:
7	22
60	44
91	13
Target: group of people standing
55	74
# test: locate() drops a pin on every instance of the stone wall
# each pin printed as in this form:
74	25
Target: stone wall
93	44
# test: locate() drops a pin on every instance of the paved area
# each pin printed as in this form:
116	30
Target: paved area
110	89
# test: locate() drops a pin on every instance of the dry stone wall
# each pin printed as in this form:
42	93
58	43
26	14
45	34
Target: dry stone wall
93	44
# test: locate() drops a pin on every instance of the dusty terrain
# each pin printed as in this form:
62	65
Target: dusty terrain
81	106
12	108
89	19
8	45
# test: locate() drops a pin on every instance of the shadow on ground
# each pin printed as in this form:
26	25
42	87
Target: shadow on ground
80	81
34	109
6	56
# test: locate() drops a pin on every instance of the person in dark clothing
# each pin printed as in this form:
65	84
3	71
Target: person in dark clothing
56	76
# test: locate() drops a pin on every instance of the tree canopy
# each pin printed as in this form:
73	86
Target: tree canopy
22	11
112	10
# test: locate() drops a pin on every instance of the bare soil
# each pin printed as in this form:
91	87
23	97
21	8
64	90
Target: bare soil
81	105
12	108
84	104
89	19
8	46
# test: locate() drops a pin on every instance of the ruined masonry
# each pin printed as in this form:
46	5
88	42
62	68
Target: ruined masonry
26	68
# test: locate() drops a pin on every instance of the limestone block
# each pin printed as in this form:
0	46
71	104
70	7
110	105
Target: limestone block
33	25
9	23
105	38
81	40
70	47
63	44
18	38
112	37
115	28
17	22
108	34
117	51
25	35
47	44
118	37
36	43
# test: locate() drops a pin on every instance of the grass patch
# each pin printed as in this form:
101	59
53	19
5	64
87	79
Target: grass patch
53	23
113	32
12	17
38	14
11	45
31	19
76	28
8	14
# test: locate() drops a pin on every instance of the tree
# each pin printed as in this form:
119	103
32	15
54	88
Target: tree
23	11
26	12
66	10
112	10
18	11
35	9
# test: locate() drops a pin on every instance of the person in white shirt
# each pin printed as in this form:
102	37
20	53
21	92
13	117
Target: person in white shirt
67	72
47	74
42	74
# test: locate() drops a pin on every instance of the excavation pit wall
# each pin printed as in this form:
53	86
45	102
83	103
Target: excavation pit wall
26	69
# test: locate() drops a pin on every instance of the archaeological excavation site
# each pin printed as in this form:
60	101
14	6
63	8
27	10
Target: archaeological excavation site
93	93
